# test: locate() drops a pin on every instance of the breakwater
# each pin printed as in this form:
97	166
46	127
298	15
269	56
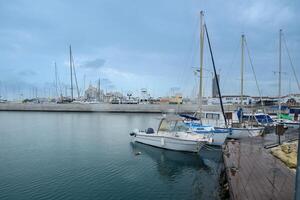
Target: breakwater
102	107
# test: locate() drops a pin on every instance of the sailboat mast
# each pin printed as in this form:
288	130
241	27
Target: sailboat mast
279	73
56	80
75	77
201	60
71	71
242	69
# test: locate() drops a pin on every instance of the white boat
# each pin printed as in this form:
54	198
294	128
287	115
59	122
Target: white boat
216	120
218	135
172	134
238	133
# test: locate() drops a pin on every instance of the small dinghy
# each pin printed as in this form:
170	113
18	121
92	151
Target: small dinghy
172	134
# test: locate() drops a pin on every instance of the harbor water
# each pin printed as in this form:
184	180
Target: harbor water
57	155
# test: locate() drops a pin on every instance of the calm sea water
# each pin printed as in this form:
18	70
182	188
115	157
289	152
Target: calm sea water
90	156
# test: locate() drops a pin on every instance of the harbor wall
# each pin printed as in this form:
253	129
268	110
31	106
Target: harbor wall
101	107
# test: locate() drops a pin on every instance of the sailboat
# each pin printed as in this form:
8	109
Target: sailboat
243	129
173	132
281	117
237	130
195	124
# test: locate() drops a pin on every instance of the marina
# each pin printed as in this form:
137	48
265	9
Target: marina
149	100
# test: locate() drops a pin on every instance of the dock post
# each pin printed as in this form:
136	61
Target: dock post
297	184
279	131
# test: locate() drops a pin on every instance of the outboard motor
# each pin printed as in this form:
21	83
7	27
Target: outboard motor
134	132
149	131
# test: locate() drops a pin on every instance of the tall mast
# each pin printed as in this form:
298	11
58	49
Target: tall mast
71	70
56	80
279	74
99	90
242	69
201	59
83	84
75	77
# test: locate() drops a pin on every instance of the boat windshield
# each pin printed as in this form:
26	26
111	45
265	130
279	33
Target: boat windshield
170	126
264	119
181	127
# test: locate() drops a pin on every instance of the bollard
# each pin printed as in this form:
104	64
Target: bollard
279	131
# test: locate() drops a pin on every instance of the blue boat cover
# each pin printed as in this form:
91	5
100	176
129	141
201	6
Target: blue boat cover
188	117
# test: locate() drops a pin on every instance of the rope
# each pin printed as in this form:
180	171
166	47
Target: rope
251	63
214	67
256	82
184	77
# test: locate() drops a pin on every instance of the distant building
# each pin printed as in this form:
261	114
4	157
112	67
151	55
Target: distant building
231	99
93	94
110	96
215	92
236	99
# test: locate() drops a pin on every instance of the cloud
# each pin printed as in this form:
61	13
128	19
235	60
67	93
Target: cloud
105	81
27	72
266	12
94	64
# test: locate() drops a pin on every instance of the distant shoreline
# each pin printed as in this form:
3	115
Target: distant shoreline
117	108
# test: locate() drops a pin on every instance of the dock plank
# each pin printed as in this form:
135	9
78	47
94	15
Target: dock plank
259	175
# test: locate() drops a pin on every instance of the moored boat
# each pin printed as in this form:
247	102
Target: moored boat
172	134
218	135
238	133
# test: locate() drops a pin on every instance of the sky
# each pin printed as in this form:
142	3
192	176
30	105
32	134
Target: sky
136	44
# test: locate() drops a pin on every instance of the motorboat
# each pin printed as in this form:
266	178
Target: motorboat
172	134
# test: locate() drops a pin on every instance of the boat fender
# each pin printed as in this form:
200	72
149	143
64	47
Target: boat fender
162	141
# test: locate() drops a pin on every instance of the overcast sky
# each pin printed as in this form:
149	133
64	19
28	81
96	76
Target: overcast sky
138	44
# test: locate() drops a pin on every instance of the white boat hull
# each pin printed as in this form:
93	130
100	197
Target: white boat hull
171	143
239	133
219	139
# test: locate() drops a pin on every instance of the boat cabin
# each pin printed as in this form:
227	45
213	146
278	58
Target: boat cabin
173	124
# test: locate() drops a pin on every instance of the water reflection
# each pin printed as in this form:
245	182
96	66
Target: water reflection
169	162
201	169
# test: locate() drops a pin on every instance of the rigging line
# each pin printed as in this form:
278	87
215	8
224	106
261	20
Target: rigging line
214	67
226	75
59	84
252	67
73	65
190	56
290	59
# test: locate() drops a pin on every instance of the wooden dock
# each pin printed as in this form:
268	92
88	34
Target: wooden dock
253	173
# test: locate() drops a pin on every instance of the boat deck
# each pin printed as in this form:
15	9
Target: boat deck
253	173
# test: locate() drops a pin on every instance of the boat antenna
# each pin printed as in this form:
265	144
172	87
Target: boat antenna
215	73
